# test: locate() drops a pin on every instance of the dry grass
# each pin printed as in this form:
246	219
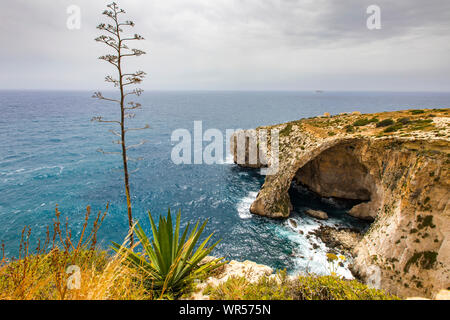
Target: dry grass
46	273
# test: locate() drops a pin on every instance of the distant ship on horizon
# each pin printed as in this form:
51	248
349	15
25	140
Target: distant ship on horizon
319	91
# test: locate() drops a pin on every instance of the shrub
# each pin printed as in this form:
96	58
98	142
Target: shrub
404	120
361	122
385	123
364	121
417	111
281	287
425	260
393	128
169	261
239	288
286	130
349	128
334	288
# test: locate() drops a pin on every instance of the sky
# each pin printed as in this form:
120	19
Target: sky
233	45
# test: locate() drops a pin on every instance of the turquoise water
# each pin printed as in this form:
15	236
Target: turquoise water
48	156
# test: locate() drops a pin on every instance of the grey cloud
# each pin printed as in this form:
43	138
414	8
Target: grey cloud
235	44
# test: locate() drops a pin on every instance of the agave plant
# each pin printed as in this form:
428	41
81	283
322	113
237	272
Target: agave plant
171	261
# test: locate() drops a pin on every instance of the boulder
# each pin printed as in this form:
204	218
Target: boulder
292	223
317	214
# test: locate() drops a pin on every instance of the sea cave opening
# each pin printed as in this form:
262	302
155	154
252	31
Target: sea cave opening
337	183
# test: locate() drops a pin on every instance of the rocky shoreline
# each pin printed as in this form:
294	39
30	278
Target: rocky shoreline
339	239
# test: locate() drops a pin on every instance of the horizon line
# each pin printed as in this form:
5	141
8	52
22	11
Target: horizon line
319	91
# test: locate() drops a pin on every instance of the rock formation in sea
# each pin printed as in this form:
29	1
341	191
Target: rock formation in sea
396	164
317	214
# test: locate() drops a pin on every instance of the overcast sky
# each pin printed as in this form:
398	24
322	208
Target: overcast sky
234	45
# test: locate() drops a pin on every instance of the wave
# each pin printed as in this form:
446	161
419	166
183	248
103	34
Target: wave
310	253
243	207
26	171
229	159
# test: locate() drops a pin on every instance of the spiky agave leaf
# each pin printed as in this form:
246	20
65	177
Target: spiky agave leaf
169	260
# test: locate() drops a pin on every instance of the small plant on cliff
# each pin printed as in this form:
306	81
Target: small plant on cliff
171	262
118	42
334	261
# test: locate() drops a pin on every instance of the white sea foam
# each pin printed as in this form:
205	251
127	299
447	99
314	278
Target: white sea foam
26	171
243	207
309	258
229	159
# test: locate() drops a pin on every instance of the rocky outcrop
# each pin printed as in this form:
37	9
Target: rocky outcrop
339	238
398	169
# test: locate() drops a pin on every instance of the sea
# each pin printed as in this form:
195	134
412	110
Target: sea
49	157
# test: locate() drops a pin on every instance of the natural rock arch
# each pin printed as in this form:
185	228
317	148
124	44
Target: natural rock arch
408	179
273	199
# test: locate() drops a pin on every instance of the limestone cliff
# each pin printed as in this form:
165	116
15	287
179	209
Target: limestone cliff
396	164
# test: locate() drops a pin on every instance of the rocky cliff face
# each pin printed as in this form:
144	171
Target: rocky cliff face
397	165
